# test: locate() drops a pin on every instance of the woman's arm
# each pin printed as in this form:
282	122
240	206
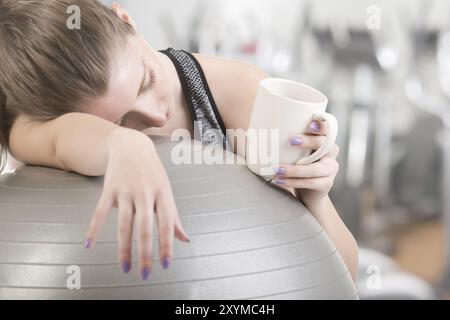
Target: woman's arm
135	180
234	85
72	142
326	214
311	184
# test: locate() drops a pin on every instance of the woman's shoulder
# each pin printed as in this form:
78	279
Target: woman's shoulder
233	84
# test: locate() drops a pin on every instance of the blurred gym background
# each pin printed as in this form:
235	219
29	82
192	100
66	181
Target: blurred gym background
385	67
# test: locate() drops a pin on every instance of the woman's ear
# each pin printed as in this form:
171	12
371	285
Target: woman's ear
123	14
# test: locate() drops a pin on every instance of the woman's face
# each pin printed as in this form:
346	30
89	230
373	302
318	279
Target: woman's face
140	92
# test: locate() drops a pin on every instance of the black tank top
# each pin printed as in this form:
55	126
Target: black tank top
208	124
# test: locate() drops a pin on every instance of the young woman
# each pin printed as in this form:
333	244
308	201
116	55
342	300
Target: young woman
85	99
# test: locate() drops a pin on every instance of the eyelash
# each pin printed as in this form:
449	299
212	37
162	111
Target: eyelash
120	122
150	84
146	89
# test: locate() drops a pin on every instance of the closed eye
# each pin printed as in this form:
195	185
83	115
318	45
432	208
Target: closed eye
149	86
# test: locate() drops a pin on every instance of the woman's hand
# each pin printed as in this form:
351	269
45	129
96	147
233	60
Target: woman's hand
137	184
311	182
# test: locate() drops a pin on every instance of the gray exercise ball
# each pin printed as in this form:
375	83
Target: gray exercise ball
249	240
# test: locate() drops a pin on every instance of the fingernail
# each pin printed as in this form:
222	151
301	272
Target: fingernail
166	262
87	243
296	141
279	181
126	266
145	273
314	127
281	171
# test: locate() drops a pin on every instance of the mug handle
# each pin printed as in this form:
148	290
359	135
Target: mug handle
329	140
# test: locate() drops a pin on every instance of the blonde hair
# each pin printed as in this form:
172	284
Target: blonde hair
48	69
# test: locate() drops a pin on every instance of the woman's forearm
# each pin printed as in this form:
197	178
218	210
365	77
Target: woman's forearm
74	142
83	142
325	213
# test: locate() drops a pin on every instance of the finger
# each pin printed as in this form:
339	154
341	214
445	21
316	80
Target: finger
323	168
308	142
104	205
333	153
180	233
318	127
322	183
125	233
165	213
144	217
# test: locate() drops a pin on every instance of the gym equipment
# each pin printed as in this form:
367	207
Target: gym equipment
436	105
393	283
249	239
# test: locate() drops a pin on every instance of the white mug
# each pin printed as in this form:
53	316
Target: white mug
282	109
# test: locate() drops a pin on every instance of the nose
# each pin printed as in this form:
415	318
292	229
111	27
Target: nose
155	116
162	110
159	114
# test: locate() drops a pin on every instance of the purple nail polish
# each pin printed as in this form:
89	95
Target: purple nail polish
87	243
281	171
314	126
166	262
279	181
296	141
126	266
145	273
